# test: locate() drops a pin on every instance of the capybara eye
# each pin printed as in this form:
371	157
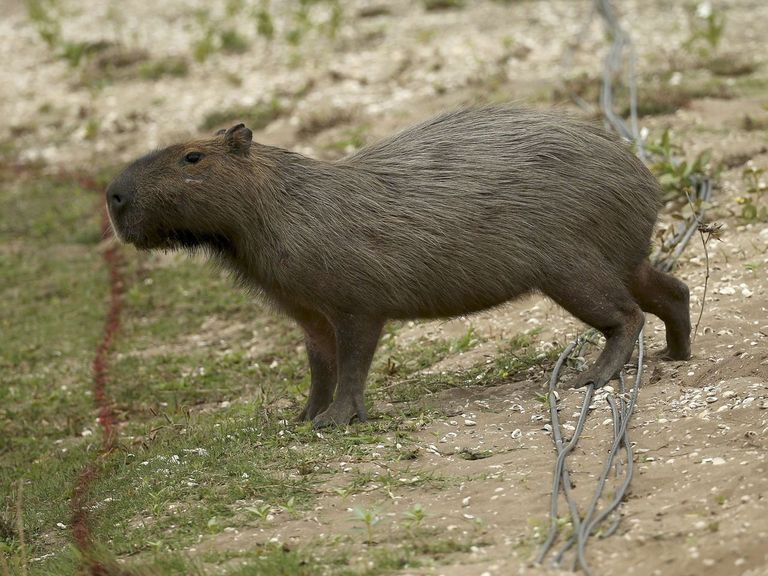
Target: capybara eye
193	157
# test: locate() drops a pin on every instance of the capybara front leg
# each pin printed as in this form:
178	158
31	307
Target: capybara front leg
356	340
320	340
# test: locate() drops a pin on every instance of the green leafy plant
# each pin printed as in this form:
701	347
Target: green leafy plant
290	505
232	42
752	207
45	16
414	517
219	35
370	518
466	342
265	27
260	511
334	22
302	21
677	177
706	26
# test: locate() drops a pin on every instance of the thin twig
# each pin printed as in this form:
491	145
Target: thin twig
711	231
706	284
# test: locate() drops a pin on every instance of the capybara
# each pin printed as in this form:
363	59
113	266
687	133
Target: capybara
458	214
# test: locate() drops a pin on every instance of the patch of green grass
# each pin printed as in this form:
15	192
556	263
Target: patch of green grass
432	5
45	16
410	549
255	117
198	478
50	277
53	284
265	26
204	46
49	211
173	66
219	34
204	383
394	376
232	42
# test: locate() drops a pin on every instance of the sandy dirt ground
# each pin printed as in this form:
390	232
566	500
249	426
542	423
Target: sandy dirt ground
699	499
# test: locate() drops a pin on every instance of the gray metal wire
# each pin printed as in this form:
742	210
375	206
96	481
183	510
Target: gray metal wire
586	526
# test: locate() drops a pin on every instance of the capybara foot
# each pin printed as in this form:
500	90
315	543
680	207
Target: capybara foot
674	353
593	376
340	413
311	410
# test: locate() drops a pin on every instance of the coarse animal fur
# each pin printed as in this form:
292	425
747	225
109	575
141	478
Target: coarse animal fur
458	214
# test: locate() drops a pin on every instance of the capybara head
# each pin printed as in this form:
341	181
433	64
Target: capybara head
181	196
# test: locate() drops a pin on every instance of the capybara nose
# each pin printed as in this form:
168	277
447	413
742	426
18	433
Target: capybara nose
118	197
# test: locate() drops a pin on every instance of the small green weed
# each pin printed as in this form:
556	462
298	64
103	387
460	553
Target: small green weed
369	517
219	35
466	342
432	5
677	177
265	26
706	27
173	66
46	16
415	517
752	205
232	42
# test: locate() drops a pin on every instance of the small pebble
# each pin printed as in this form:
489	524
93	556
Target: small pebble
716	461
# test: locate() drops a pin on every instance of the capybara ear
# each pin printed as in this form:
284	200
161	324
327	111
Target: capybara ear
239	139
220	132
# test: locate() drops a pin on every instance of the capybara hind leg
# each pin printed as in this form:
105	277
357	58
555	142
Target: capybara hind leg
356	340
320	340
596	299
666	297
